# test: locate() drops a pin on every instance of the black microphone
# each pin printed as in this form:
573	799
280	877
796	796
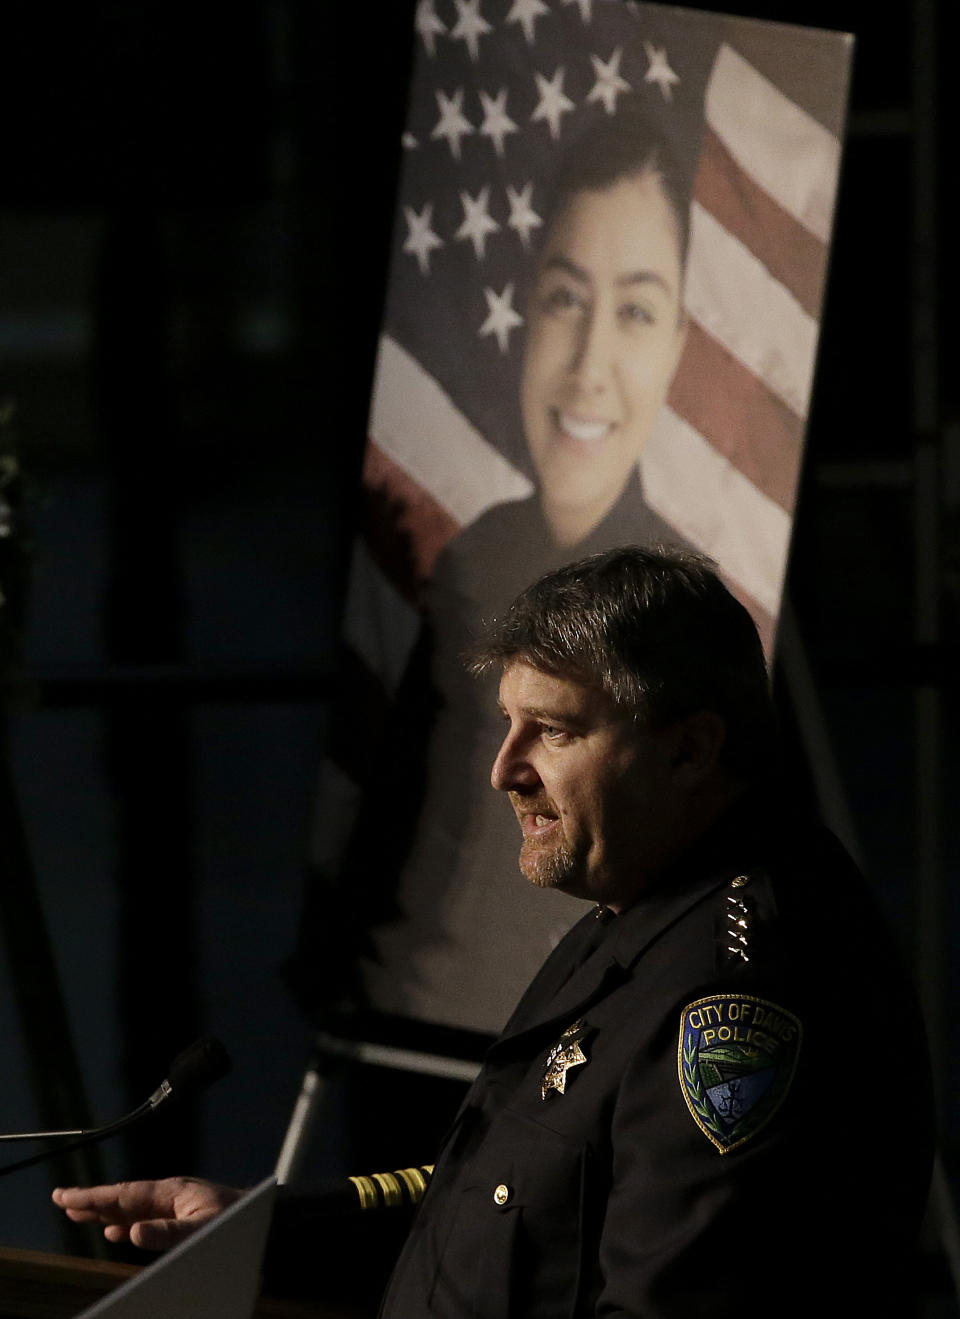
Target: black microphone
205	1061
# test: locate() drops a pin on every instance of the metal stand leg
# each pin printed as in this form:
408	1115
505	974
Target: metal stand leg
301	1121
375	1055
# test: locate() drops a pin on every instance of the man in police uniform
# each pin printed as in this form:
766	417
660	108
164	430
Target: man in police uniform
714	1097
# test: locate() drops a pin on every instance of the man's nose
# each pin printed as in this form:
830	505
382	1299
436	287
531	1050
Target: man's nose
512	770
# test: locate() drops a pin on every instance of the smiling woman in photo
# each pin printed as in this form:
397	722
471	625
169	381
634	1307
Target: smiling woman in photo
605	322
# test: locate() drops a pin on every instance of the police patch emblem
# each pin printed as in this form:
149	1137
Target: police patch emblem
736	1058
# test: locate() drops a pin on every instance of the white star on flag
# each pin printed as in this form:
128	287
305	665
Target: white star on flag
523	217
609	82
660	71
477	220
421	240
470	26
526	13
496	122
584	6
501	318
452	124
553	103
428	25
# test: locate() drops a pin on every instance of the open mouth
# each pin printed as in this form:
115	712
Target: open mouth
583	430
538	825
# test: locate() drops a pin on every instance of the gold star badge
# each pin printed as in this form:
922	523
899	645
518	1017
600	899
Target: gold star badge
566	1053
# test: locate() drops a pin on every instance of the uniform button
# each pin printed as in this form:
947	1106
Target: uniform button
501	1195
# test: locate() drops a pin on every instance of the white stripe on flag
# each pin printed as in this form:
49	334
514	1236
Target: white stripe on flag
418	425
736	299
713	505
378	623
783	149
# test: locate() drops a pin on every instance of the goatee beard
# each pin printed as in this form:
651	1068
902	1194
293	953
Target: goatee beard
547	867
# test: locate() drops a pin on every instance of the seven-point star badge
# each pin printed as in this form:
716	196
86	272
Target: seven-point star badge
566	1053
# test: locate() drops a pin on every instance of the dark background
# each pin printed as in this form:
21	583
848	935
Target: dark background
195	204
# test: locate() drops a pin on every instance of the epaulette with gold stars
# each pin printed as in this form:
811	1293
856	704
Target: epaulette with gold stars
737	1052
738	917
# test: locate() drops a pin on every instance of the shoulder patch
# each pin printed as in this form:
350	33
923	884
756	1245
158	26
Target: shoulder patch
736	1058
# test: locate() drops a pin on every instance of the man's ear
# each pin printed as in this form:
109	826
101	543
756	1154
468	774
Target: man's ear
698	745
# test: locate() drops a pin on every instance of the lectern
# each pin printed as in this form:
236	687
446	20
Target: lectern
38	1285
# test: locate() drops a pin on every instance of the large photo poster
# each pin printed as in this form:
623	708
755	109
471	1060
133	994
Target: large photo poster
601	326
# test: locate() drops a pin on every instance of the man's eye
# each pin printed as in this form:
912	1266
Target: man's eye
552	733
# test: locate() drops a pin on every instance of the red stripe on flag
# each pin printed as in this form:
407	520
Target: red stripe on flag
791	253
404	526
726	403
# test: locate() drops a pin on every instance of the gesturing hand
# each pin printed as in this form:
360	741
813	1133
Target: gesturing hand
152	1214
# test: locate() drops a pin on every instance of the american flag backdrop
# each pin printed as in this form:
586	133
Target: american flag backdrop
500	89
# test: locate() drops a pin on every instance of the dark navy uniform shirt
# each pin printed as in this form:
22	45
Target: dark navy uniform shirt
716	1104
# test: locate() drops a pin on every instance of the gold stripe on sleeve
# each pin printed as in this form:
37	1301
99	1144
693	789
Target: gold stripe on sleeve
366	1191
392	1194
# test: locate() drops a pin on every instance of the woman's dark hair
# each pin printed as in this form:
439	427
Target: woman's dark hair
614	147
654	629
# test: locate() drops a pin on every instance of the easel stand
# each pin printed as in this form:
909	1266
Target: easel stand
330	1049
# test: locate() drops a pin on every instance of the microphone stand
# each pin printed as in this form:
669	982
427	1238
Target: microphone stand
205	1061
87	1138
91	1136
